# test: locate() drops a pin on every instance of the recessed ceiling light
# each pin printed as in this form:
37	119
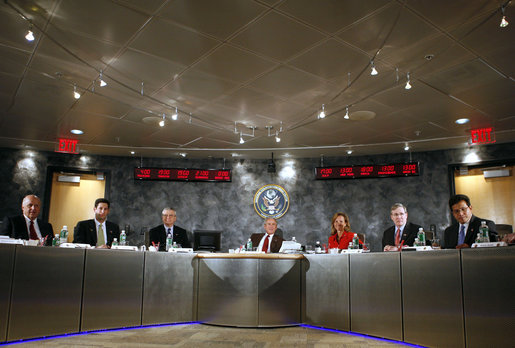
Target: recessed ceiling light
349	152
182	154
462	120
76	131
132	152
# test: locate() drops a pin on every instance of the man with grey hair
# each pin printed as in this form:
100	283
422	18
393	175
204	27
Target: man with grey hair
157	235
394	236
28	225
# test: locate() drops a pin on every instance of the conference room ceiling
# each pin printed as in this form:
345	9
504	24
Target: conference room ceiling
235	68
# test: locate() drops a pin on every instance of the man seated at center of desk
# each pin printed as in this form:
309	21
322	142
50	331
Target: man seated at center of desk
158	234
268	242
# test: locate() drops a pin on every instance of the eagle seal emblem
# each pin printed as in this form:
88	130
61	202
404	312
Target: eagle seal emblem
271	201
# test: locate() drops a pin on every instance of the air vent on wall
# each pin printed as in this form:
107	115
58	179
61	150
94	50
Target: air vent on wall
498	173
68	178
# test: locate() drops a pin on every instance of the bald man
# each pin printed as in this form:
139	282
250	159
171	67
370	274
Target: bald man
28	226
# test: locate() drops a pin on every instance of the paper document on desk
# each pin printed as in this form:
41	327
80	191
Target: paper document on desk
290	247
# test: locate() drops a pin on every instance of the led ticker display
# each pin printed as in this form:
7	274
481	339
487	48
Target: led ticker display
188	174
367	171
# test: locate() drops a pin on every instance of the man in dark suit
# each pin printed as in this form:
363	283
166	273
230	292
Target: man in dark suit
28	226
401	231
462	234
157	235
97	232
268	242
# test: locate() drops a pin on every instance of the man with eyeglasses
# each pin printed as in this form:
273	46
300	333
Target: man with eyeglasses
402	233
462	234
158	234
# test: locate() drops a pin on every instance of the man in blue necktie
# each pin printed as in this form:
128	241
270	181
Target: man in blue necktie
463	232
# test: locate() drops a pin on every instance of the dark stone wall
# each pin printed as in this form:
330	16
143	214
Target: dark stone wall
229	206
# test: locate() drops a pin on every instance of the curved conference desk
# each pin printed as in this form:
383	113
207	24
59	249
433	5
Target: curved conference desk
436	298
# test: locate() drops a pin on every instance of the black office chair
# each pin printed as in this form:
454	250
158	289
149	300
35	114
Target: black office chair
503	229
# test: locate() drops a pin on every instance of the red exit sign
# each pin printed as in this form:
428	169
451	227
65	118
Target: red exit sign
67	146
482	136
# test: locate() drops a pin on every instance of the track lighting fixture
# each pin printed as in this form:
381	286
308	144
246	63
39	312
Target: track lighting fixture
162	122
271	165
408	85
504	23
241	138
102	83
322	112
277	139
30	35
406	147
373	71
76	94
175	115
346	113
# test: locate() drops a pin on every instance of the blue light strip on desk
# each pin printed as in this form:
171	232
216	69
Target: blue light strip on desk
359	335
95	331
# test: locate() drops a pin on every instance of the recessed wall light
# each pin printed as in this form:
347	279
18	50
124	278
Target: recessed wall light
462	120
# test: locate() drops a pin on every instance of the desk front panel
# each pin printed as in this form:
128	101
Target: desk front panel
113	284
46	292
327	291
169	289
431	295
228	291
6	276
375	294
488	288
279	288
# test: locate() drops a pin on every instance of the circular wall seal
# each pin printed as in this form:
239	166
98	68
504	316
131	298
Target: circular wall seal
271	201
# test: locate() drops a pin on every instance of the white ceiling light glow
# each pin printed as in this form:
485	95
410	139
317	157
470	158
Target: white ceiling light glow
462	120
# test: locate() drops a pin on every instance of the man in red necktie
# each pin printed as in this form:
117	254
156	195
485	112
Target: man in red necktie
268	242
28	226
394	236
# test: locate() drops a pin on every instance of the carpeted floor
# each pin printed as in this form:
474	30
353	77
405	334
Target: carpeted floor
198	335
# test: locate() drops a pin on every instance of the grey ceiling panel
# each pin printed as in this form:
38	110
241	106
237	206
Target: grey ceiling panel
239	64
219	18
